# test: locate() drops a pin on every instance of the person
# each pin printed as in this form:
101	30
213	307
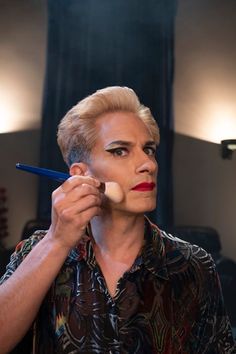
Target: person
104	278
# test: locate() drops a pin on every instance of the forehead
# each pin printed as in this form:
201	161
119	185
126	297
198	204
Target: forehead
121	126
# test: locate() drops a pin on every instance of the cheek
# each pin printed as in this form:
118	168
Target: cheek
98	168
104	171
107	171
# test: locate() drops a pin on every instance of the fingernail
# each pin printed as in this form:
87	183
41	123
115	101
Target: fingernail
97	182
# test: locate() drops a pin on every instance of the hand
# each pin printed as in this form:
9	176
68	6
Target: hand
74	203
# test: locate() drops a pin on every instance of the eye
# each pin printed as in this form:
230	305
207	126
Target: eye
149	150
119	151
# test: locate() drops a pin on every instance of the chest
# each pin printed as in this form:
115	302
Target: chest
113	271
140	315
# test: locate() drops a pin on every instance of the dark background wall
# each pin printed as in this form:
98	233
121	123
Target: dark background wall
205	112
22	66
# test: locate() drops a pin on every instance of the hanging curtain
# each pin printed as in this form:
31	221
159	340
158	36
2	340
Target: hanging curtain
93	44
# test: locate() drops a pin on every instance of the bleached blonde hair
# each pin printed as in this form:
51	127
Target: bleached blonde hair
77	131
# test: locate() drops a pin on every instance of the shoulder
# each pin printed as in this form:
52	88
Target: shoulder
37	236
191	267
182	258
22	249
191	255
25	246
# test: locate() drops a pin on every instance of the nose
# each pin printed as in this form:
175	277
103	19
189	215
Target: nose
146	164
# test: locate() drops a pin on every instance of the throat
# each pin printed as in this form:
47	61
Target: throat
116	245
113	271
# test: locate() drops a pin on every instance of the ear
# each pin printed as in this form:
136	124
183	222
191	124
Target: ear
79	168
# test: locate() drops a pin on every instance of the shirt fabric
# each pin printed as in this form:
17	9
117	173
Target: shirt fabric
169	302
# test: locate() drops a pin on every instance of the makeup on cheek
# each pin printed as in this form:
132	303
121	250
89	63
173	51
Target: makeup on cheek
111	190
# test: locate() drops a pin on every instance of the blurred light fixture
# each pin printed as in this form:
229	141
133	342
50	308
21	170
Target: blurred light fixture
227	148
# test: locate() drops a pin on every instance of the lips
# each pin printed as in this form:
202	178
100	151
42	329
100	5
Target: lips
144	187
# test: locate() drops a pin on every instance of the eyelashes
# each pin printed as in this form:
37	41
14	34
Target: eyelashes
150	150
123	151
119	151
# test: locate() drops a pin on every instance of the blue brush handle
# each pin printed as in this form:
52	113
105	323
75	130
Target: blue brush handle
55	175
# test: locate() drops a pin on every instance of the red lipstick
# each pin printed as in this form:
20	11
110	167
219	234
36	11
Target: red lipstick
144	187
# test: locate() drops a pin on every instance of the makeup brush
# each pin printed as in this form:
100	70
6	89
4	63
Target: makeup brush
111	190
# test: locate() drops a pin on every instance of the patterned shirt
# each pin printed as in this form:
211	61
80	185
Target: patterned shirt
169	302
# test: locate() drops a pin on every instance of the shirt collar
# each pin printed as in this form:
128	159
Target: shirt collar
152	256
154	253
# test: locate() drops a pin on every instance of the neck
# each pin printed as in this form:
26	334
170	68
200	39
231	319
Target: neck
117	235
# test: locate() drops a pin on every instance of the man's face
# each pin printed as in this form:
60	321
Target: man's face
124	152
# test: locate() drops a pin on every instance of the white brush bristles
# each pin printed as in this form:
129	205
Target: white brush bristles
114	192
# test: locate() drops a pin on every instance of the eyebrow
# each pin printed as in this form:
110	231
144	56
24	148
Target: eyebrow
128	143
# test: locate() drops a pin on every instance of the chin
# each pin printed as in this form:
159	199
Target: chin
145	203
143	207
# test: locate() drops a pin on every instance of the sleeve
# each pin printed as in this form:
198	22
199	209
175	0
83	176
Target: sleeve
22	249
214	331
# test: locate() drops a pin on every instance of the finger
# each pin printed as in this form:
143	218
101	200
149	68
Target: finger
76	180
66	209
88	214
74	195
74	218
81	191
78	222
80	218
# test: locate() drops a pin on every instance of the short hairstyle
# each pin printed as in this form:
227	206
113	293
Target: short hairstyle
77	130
